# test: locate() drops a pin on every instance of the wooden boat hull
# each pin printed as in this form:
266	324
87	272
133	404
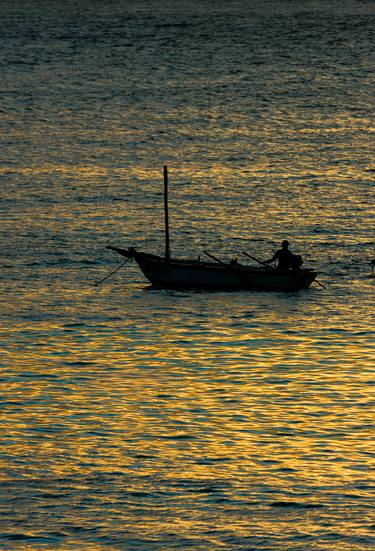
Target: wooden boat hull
188	274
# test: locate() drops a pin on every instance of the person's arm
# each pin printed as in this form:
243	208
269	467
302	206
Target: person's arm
275	257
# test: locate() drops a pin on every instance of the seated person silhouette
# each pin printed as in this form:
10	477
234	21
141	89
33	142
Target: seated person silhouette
286	260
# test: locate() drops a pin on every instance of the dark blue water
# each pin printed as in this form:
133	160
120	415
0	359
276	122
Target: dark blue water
134	418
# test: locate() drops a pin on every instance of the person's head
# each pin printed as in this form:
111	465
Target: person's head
285	244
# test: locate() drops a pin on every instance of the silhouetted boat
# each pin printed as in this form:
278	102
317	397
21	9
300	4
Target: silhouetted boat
173	273
185	274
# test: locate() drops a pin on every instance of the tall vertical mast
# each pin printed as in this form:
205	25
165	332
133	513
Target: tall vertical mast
166	219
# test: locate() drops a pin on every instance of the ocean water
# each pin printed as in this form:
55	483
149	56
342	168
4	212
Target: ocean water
141	419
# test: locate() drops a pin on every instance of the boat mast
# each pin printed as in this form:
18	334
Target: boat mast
166	219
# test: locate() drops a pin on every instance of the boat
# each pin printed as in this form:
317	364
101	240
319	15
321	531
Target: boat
195	274
214	274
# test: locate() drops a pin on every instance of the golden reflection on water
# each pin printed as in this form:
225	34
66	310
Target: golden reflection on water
213	404
182	410
132	417
205	409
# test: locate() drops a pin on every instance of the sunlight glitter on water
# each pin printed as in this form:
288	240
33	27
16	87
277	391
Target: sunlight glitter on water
136	418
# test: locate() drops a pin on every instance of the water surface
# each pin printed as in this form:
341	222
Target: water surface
135	418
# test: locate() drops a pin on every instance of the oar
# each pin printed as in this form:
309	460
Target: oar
110	274
257	260
321	284
217	260
228	267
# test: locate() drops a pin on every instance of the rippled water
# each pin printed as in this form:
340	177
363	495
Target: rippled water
135	418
